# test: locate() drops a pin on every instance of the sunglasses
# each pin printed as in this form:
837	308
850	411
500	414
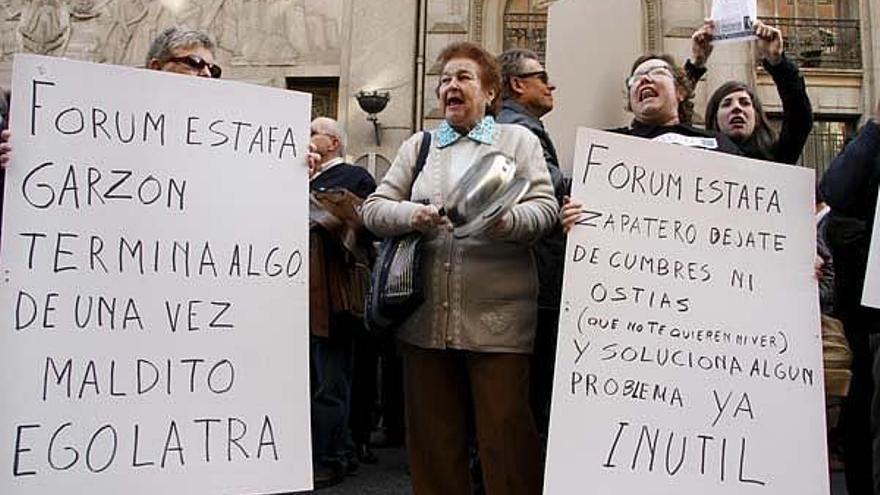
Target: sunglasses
540	74
197	63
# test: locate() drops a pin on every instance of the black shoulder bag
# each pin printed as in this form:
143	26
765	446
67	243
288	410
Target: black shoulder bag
396	282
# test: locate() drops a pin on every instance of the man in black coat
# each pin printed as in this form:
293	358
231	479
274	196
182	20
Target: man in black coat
343	366
850	187
527	96
329	142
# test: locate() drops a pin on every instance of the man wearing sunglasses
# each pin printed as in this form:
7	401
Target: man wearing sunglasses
177	50
183	51
527	96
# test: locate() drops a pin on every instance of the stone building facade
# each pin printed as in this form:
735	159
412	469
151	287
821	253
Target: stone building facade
338	48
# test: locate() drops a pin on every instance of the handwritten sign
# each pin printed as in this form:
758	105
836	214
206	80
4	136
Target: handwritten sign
689	356
734	20
871	291
154	300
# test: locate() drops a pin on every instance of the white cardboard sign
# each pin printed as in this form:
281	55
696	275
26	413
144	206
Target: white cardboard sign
689	357
154	293
871	291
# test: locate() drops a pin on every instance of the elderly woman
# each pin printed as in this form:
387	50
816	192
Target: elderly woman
735	109
659	95
466	348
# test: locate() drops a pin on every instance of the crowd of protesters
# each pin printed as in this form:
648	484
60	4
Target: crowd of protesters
471	369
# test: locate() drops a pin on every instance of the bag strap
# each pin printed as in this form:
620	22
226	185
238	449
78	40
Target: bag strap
423	156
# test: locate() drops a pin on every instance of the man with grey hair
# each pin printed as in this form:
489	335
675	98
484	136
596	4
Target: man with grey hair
184	51
527	95
328	141
343	362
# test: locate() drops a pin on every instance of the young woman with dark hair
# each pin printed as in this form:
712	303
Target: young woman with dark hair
735	109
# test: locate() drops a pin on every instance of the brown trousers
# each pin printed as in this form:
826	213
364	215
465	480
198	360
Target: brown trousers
439	388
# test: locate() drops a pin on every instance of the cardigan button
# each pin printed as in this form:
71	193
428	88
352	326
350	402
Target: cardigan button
445	304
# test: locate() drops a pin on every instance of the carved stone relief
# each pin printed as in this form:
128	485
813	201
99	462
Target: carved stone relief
248	32
10	13
83	10
44	26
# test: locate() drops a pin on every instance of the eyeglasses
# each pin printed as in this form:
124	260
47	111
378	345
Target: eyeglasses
653	72
540	74
197	63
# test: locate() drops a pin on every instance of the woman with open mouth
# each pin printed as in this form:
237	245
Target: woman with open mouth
466	348
659	95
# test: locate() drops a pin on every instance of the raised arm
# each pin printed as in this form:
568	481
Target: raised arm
701	50
797	111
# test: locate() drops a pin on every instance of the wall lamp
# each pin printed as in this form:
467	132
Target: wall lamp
373	102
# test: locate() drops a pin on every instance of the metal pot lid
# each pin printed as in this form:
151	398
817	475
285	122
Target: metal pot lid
479	187
510	196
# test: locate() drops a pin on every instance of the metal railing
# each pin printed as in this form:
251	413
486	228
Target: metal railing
820	149
828	43
526	31
825	141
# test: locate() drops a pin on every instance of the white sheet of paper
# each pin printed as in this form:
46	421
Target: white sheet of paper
871	291
154	321
734	20
689	353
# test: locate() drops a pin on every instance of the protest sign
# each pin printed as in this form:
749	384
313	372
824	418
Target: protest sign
154	292
689	356
871	291
734	19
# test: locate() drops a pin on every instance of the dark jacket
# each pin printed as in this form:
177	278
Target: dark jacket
344	176
4	123
340	249
850	187
797	111
826	279
637	129
851	181
514	113
550	249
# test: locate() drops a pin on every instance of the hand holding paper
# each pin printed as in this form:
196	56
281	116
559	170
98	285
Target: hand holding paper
769	42
701	43
570	213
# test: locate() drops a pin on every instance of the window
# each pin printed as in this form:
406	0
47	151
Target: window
525	26
824	143
324	90
818	33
